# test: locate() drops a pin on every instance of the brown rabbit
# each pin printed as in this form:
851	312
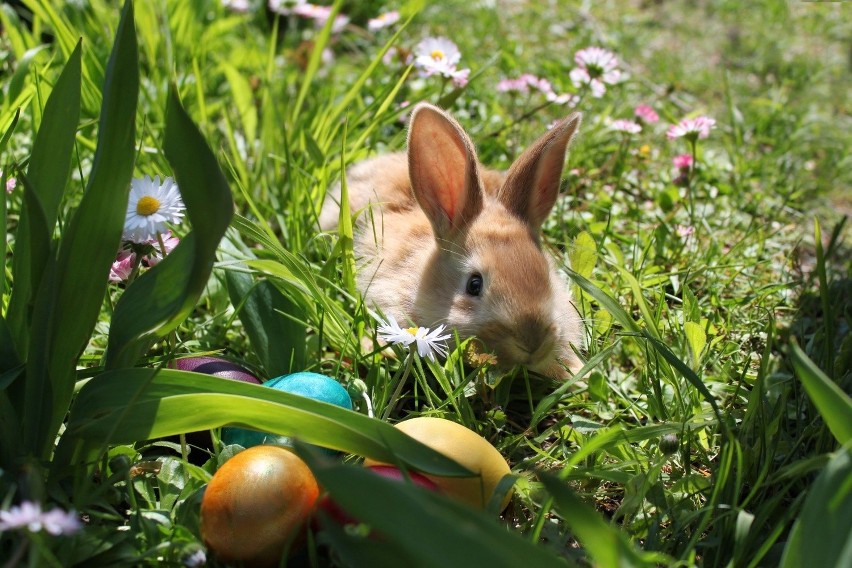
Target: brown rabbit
454	243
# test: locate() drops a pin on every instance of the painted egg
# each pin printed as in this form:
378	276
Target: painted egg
310	385
467	448
256	506
327	504
215	366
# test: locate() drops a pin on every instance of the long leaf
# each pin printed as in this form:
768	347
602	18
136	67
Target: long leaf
820	536
426	528
127	405
49	166
92	237
834	405
159	300
278	340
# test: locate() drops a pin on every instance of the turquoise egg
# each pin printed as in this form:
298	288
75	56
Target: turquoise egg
310	385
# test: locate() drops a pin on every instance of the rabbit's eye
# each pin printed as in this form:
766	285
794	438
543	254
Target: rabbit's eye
474	285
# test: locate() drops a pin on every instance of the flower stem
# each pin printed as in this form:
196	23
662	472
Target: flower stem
392	403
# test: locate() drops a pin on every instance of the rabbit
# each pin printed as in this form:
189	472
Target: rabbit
452	242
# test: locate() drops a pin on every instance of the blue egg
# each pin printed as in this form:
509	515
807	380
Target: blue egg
309	385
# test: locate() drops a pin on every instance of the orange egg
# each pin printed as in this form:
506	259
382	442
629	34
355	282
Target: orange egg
256	504
467	448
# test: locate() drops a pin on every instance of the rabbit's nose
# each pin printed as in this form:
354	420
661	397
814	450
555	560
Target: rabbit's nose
536	340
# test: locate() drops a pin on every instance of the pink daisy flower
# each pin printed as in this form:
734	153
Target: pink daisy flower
169	241
11	183
285	7
682	161
684	231
691	128
626	126
236	5
646	114
596	68
122	267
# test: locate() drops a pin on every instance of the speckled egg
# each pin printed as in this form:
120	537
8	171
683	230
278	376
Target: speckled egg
256	505
467	448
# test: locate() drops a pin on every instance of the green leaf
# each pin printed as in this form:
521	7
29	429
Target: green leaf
605	300
820	536
91	238
127	405
696	338
161	298
49	166
242	99
606	544
425	527
584	254
278	340
834	405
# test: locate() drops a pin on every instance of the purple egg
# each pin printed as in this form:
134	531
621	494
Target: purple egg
216	367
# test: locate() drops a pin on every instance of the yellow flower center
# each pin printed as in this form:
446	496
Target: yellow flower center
147	205
437	55
412	330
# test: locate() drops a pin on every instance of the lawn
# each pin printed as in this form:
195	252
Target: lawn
700	224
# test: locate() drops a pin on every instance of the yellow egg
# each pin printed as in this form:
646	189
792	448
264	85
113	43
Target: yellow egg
466	447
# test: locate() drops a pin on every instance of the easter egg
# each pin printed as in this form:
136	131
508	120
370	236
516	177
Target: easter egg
216	367
467	448
310	385
256	504
327	504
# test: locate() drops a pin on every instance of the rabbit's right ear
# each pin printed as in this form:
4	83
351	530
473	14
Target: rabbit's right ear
443	169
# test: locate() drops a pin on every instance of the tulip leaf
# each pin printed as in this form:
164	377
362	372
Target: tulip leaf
127	405
161	298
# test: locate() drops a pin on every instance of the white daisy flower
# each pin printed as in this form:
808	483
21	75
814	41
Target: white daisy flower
596	67
383	20
437	55
427	342
150	207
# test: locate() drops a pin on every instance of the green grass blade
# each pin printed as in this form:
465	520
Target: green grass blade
160	299
605	300
607	546
834	405
820	536
49	166
314	62
428	528
127	405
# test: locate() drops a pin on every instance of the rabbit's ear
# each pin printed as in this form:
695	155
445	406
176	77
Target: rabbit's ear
443	169
532	183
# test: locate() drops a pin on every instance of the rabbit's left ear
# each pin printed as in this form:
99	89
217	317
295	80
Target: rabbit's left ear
532	183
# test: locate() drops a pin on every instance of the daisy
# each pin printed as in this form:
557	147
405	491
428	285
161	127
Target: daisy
626	126
150	207
320	15
682	161
596	68
437	56
236	5
285	7
169	243
427	342
122	267
57	522
691	128
646	114
383	20
11	183
26	515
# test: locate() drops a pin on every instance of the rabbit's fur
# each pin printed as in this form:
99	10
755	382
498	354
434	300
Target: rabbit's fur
438	219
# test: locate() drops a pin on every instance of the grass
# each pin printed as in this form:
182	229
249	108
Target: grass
709	427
